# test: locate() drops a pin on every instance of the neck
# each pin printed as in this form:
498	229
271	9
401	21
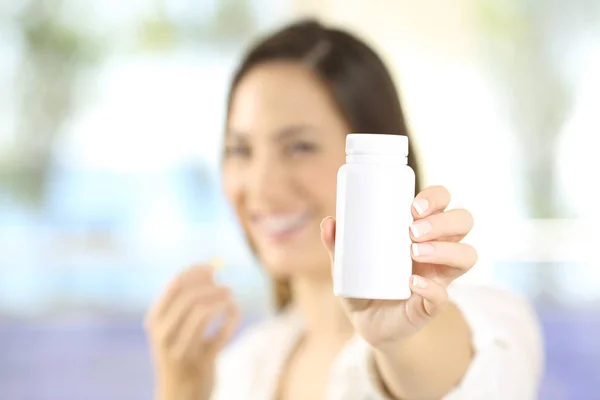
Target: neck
321	310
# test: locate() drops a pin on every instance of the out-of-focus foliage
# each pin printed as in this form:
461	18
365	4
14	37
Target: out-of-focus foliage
56	52
524	42
228	22
52	55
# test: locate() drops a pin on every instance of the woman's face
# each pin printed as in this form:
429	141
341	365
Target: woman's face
285	142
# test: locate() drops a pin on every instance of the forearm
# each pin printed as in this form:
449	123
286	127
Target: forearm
429	364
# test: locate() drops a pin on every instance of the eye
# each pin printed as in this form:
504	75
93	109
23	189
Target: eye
237	150
302	147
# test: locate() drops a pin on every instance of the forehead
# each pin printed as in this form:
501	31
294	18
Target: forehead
280	93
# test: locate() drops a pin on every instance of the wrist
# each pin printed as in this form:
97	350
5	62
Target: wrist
184	385
181	390
421	340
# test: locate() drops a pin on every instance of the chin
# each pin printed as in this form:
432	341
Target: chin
291	264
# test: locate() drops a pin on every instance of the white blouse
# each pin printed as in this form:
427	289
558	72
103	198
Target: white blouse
508	363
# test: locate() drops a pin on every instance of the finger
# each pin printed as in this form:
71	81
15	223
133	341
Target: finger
165	301
429	201
452	224
460	257
328	235
200	274
183	306
189	340
232	319
190	277
431	297
356	305
158	310
184	303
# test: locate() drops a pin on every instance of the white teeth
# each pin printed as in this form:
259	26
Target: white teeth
282	223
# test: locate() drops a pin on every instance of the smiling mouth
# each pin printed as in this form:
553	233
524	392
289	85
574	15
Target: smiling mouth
281	226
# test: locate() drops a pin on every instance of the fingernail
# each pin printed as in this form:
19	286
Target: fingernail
420	206
419	282
420	228
422	249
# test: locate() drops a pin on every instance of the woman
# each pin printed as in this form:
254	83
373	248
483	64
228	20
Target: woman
294	98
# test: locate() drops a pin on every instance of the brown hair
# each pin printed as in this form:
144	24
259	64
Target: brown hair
356	76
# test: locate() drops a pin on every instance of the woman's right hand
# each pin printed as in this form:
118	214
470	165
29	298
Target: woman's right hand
184	355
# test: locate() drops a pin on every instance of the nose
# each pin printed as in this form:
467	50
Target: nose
266	179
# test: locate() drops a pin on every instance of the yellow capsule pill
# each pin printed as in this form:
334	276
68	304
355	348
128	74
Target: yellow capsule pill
216	263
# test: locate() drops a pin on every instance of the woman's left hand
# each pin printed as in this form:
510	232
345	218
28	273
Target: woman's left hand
439	258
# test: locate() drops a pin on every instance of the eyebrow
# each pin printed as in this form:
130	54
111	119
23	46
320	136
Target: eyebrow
287	132
293	130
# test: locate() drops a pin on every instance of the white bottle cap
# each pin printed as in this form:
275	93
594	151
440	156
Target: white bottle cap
372	143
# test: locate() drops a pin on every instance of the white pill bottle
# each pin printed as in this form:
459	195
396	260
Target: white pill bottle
375	191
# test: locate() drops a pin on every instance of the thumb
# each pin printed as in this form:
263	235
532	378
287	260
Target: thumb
328	235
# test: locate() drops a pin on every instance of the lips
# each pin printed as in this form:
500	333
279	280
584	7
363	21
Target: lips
277	226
